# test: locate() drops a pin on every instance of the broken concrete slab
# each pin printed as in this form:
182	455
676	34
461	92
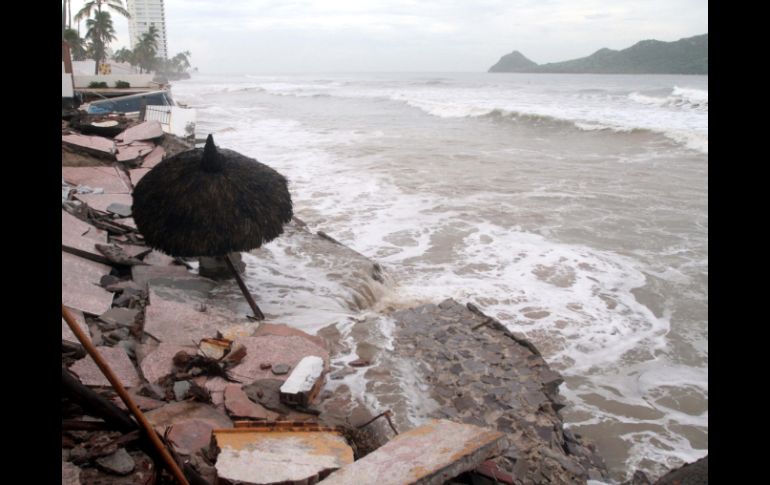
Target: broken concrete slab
304	383
143	131
159	363
127	153
124	317
70	474
283	329
289	350
118	360
137	174
154	157
143	402
101	202
238	405
106	178
79	234
190	436
182	309
66	332
179	412
94	143
158	273
430	454
258	457
80	284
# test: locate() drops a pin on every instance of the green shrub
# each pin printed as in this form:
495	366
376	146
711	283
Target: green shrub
122	84
95	84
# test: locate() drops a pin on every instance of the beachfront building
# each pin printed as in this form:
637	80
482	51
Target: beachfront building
145	13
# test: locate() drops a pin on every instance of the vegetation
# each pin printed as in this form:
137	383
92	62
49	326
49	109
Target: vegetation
685	56
122	84
100	28
76	43
97	84
100	33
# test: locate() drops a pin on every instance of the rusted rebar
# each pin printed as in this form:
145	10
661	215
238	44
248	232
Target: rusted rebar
387	416
118	386
257	312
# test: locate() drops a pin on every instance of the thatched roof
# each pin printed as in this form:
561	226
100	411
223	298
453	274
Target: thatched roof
210	202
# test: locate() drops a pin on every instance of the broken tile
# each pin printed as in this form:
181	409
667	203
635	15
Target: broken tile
124	317
80	235
238	405
144	403
154	157
70	474
100	202
137	174
279	457
106	178
158	273
283	329
118	360
179	412
80	284
190	436
143	131
66	332
97	143
432	453
288	350
159	363
181	310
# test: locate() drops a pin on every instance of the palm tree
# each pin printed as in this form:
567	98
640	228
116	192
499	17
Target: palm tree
123	55
77	45
100	32
88	8
181	61
146	48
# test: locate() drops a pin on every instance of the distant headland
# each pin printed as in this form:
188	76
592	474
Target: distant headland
684	56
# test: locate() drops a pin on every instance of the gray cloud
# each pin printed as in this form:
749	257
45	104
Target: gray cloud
403	35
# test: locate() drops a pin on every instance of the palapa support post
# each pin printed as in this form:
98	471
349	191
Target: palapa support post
118	386
257	312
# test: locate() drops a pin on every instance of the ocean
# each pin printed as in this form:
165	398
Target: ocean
572	208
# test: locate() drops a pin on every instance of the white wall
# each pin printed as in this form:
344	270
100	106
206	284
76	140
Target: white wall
66	86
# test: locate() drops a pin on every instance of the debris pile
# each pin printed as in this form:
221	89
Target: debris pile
239	401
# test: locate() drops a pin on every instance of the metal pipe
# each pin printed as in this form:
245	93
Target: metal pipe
116	384
257	312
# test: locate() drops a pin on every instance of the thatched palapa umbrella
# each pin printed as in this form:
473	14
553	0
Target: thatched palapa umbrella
211	202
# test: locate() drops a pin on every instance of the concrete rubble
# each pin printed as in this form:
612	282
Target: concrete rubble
266	457
243	402
430	454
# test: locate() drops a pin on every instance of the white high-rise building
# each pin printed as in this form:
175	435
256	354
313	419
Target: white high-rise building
145	13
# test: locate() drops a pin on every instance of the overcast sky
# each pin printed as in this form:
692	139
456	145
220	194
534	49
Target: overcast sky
275	36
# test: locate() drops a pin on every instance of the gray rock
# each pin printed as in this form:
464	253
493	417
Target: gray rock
122	210
119	463
280	369
180	390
